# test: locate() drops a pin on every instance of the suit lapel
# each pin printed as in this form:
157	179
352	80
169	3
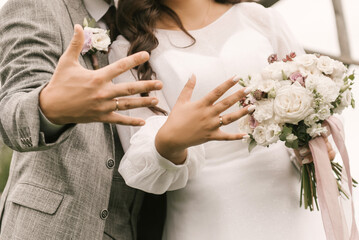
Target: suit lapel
78	13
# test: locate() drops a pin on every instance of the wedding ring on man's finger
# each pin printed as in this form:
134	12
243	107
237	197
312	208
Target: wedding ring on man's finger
117	105
220	121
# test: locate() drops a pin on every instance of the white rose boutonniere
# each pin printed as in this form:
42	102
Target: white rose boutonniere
96	40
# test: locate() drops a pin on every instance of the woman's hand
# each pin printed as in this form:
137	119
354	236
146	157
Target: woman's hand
194	123
305	156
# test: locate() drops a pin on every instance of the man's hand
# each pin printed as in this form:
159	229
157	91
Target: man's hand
78	95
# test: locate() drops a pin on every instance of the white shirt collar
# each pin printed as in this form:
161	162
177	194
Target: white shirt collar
97	8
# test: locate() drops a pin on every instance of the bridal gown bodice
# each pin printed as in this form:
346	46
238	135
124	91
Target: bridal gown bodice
235	194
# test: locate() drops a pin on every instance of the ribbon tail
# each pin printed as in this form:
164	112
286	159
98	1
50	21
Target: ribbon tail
332	213
337	130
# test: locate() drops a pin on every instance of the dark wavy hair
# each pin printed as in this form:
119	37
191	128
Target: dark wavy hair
136	21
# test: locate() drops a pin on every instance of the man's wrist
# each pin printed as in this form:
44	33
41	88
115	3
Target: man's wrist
46	126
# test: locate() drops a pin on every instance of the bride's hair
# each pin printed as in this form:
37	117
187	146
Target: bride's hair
136	20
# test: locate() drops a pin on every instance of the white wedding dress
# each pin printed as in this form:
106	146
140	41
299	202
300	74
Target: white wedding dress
222	191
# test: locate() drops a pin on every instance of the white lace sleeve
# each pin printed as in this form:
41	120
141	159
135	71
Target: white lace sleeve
142	167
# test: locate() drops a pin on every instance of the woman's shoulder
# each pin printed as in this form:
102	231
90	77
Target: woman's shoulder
255	11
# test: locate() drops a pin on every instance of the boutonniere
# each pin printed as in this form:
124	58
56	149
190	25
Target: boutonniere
96	40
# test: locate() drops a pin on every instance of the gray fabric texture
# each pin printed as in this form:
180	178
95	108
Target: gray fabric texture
55	190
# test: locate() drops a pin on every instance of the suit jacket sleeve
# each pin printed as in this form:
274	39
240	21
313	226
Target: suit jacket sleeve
30	46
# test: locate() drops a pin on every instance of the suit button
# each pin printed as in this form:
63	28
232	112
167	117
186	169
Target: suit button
104	214
110	163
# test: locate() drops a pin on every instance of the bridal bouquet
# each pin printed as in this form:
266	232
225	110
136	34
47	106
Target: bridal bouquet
293	98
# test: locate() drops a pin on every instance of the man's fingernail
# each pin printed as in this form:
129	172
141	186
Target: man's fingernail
142	123
154	101
236	78
252	108
248	90
144	55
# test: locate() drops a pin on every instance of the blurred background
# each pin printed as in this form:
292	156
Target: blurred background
330	27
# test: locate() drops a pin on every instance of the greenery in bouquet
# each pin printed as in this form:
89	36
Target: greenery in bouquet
293	97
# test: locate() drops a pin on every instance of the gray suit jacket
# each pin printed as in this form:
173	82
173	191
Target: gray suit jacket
57	190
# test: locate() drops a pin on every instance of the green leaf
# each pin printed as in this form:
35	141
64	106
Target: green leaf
353	102
351	77
305	186
285	77
241	82
252	145
85	23
295	144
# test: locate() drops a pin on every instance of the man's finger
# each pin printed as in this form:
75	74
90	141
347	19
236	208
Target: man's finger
187	90
113	70
132	88
73	51
130	103
216	93
117	118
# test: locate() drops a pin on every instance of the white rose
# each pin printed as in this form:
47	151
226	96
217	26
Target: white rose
259	134
264	110
345	101
292	104
283	83
275	70
325	86
316	130
95	30
253	80
101	41
291	138
306	60
328	89
272	74
324	111
309	71
273	132
325	64
266	85
339	70
311	119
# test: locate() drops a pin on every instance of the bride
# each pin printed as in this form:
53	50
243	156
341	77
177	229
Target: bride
216	189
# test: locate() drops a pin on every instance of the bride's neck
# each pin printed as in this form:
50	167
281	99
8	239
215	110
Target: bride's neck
194	14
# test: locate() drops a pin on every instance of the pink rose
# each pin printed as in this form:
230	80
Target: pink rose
253	123
297	77
88	42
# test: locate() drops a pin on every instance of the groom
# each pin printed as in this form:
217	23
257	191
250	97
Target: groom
58	115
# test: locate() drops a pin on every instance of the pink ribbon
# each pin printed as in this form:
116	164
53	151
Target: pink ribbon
334	222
